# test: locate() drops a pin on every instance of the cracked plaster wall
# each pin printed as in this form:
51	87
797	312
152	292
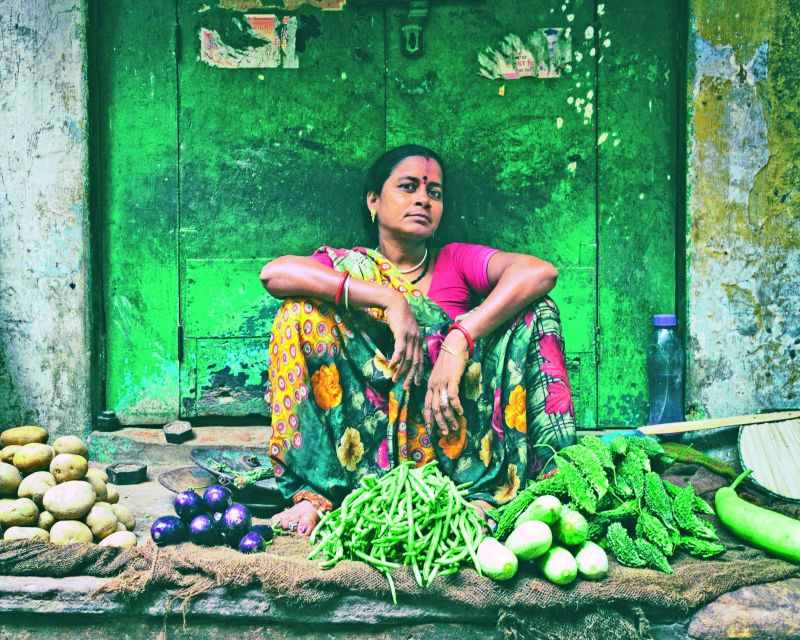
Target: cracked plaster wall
743	239
44	324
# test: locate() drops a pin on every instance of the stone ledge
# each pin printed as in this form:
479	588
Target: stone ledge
148	444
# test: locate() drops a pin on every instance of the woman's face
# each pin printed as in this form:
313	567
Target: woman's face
411	201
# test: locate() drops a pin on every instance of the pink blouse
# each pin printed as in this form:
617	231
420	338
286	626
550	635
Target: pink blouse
460	276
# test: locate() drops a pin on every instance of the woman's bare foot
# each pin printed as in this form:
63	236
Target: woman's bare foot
482	507
303	516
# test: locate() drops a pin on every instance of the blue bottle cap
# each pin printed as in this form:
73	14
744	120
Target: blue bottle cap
664	320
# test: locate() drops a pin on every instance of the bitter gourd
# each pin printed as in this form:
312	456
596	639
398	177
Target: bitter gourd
652	529
701	548
578	488
622	546
657	500
627	508
652	556
632	470
647	445
600	449
589	466
683	510
700	505
619	445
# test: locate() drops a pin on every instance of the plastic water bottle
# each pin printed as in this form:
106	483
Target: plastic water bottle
665	371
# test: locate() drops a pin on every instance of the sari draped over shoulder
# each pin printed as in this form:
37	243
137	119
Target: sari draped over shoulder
337	415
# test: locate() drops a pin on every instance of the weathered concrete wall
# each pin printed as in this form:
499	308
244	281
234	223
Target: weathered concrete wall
744	197
44	324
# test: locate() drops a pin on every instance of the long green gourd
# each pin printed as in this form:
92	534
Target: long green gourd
774	532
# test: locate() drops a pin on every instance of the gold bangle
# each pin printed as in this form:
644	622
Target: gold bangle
455	353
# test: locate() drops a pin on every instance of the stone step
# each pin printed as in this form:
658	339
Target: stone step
149	446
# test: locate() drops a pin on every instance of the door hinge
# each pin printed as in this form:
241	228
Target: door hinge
180	343
598	343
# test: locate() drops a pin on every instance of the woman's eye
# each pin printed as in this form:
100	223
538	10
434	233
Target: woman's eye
408	184
435	193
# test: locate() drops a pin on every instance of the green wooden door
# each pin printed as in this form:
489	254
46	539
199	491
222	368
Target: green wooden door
267	161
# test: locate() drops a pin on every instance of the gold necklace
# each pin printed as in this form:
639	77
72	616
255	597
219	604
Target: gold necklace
416	266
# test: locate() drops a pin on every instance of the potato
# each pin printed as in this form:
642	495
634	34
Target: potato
125	516
23	435
68	466
46	520
33	457
71	444
7	453
36	485
112	494
102	522
94	478
121	527
100	473
123	539
10	479
70	532
18	513
70	500
26	533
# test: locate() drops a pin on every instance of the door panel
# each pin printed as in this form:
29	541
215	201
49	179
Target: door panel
137	203
637	190
271	163
522	164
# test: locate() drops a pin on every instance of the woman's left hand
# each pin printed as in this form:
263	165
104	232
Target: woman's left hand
442	403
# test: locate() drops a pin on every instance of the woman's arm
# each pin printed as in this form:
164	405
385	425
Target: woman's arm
301	276
517	280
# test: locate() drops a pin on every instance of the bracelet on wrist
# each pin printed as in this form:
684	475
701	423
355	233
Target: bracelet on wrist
455	353
457	326
339	289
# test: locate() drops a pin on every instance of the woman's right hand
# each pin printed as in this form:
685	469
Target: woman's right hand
408	359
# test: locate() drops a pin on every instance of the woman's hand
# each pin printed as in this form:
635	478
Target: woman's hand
407	360
442	402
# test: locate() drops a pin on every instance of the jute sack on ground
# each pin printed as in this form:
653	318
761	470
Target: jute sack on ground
284	573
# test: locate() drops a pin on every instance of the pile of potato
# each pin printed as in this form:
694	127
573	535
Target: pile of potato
49	493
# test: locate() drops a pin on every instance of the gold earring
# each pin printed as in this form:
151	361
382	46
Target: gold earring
373	213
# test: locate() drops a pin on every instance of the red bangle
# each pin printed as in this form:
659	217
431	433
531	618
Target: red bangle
470	342
345	276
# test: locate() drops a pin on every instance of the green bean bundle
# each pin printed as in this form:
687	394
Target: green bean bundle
410	516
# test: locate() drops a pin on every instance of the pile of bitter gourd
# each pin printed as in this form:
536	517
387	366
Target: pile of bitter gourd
639	518
410	516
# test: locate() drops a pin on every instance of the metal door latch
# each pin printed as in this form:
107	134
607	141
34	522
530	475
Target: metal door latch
412	44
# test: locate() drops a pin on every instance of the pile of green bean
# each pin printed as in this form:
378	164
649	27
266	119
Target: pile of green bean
410	516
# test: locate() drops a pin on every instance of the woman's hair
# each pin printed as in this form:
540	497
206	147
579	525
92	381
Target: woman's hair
379	173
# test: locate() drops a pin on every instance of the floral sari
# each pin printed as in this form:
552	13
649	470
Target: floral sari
337	415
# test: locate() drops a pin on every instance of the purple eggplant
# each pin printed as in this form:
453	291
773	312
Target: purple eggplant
217	517
203	530
188	505
235	523
264	530
252	543
217	498
168	530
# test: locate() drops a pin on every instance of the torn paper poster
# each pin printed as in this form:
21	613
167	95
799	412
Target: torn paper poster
543	54
278	49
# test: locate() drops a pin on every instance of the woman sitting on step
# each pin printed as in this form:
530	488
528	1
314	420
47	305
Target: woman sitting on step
412	352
